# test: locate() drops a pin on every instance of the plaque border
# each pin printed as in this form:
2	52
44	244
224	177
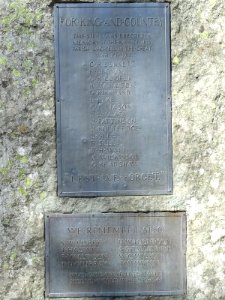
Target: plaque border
178	214
82	194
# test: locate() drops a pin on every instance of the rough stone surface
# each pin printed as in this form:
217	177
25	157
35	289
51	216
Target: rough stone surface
28	156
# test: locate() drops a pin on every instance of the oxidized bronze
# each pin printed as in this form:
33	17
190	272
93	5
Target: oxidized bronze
113	99
115	254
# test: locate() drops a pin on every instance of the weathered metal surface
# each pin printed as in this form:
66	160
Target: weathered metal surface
115	254
113	99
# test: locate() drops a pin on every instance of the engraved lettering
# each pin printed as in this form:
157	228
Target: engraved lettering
113	76
116	252
117	22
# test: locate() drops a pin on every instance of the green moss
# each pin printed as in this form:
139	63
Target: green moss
21	17
176	60
7	20
32	45
22	173
43	195
9	46
29	182
26	91
22	158
13	255
4	171
20	10
39	16
28	65
16	73
3	60
204	35
34	82
37	184
14	5
22	191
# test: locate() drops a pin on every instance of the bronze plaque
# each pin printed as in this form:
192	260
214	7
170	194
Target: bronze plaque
115	254
113	99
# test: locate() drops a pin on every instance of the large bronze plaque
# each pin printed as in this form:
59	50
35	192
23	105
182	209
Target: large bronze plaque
113	99
115	254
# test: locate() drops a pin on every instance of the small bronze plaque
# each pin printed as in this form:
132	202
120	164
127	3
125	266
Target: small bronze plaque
113	99
115	254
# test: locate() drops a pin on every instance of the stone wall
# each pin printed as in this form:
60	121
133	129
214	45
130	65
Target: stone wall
28	155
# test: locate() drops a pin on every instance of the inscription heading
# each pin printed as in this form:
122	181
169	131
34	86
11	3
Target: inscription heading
118	21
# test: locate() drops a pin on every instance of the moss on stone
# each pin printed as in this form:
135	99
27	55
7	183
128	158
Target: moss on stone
22	173
176	60
4	171
204	35
13	255
28	65
9	46
16	73
29	182
22	16
3	60
34	82
43	195
26	92
22	158
32	45
22	191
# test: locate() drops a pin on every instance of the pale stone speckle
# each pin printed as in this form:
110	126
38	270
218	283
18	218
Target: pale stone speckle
47	113
215	183
217	234
212	200
33	176
201	171
23	151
